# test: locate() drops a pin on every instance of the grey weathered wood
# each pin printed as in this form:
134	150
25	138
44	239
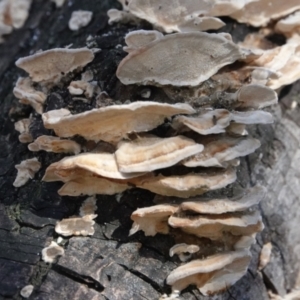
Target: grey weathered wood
110	265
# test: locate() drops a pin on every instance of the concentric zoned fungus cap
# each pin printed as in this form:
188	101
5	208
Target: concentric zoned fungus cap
260	13
76	226
201	24
102	164
140	38
218	120
151	153
206	122
79	181
186	186
54	144
219	150
26	94
213	274
200	55
26	170
227	7
160	15
55	173
248	97
214	227
52	252
153	219
92	185
283	61
51	65
241	202
112	123
255	96
183	251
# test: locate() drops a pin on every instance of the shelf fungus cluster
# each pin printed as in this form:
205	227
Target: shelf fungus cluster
187	152
218	127
185	15
199	154
230	223
201	15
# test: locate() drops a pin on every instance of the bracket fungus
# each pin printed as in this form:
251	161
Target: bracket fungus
228	7
218	151
214	206
278	64
26	170
182	250
19	11
150	153
80	87
13	14
79	19
27	94
152	219
52	252
51	65
54	144
214	228
213	218
112	123
188	185
54	173
92	185
22	126
116	15
161	16
251	95
180	59
201	24
102	164
76	226
205	122
26	291
140	38
216	121
261	12
89	174
265	255
212	274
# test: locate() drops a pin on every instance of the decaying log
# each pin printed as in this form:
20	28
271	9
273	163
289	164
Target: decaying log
109	264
